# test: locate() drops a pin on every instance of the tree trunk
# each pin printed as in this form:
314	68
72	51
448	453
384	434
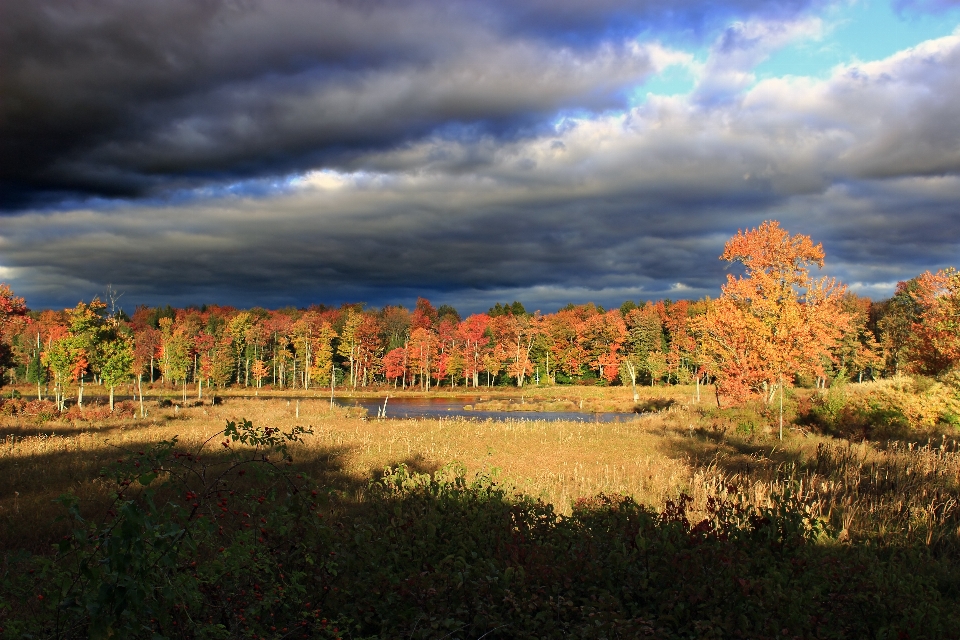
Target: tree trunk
333	382
140	393
111	398
781	406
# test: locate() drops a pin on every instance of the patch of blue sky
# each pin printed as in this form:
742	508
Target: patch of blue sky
674	80
858	30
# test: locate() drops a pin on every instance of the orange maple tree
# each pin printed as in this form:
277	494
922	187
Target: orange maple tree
934	341
775	321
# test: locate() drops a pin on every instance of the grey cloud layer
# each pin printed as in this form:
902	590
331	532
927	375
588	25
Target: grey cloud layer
109	97
450	174
632	205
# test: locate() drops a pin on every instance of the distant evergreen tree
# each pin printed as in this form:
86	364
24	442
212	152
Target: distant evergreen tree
445	310
512	309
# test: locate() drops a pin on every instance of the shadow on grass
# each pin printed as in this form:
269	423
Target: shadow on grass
651	405
31	520
421	559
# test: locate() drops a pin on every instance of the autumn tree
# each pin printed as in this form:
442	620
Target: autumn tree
12	308
603	338
369	351
422	355
87	331
474	340
424	315
321	348
775	321
450	361
644	340
350	342
259	371
216	364
934	346
238	329
60	356
176	354
857	350
522	331
565	330
681	344
394	365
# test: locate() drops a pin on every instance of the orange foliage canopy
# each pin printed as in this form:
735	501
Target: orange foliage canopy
775	321
935	335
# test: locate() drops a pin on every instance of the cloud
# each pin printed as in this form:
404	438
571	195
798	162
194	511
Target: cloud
742	45
115	99
500	161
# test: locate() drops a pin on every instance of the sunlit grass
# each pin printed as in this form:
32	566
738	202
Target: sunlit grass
887	492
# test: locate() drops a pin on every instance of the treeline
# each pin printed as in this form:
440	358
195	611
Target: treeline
774	316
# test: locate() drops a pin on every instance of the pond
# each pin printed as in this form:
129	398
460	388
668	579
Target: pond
455	407
415	407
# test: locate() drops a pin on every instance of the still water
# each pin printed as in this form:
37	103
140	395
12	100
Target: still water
454	407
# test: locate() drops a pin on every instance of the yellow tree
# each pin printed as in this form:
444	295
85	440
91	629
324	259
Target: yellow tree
422	352
350	342
259	371
87	328
321	349
238	329
775	321
644	345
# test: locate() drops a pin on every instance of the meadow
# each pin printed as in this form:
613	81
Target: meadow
895	500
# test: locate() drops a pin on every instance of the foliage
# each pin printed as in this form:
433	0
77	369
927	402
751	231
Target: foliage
934	342
776	321
772	326
891	409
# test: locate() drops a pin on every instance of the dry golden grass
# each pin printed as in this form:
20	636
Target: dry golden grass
868	490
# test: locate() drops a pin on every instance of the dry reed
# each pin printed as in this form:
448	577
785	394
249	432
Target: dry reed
891	493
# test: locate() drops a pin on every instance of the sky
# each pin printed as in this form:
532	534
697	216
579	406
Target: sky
292	152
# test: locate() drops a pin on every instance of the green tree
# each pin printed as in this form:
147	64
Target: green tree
117	363
88	329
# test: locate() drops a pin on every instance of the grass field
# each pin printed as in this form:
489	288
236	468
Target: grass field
744	535
892	491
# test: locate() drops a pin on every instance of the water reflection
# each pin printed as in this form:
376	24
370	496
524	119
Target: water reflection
454	407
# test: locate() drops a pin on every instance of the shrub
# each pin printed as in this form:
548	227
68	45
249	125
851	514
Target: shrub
888	409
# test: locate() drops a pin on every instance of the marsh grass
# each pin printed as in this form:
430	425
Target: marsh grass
893	492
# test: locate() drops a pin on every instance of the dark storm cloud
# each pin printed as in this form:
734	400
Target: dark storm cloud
119	98
470	154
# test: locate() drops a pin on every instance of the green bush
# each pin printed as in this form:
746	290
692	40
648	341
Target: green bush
891	409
